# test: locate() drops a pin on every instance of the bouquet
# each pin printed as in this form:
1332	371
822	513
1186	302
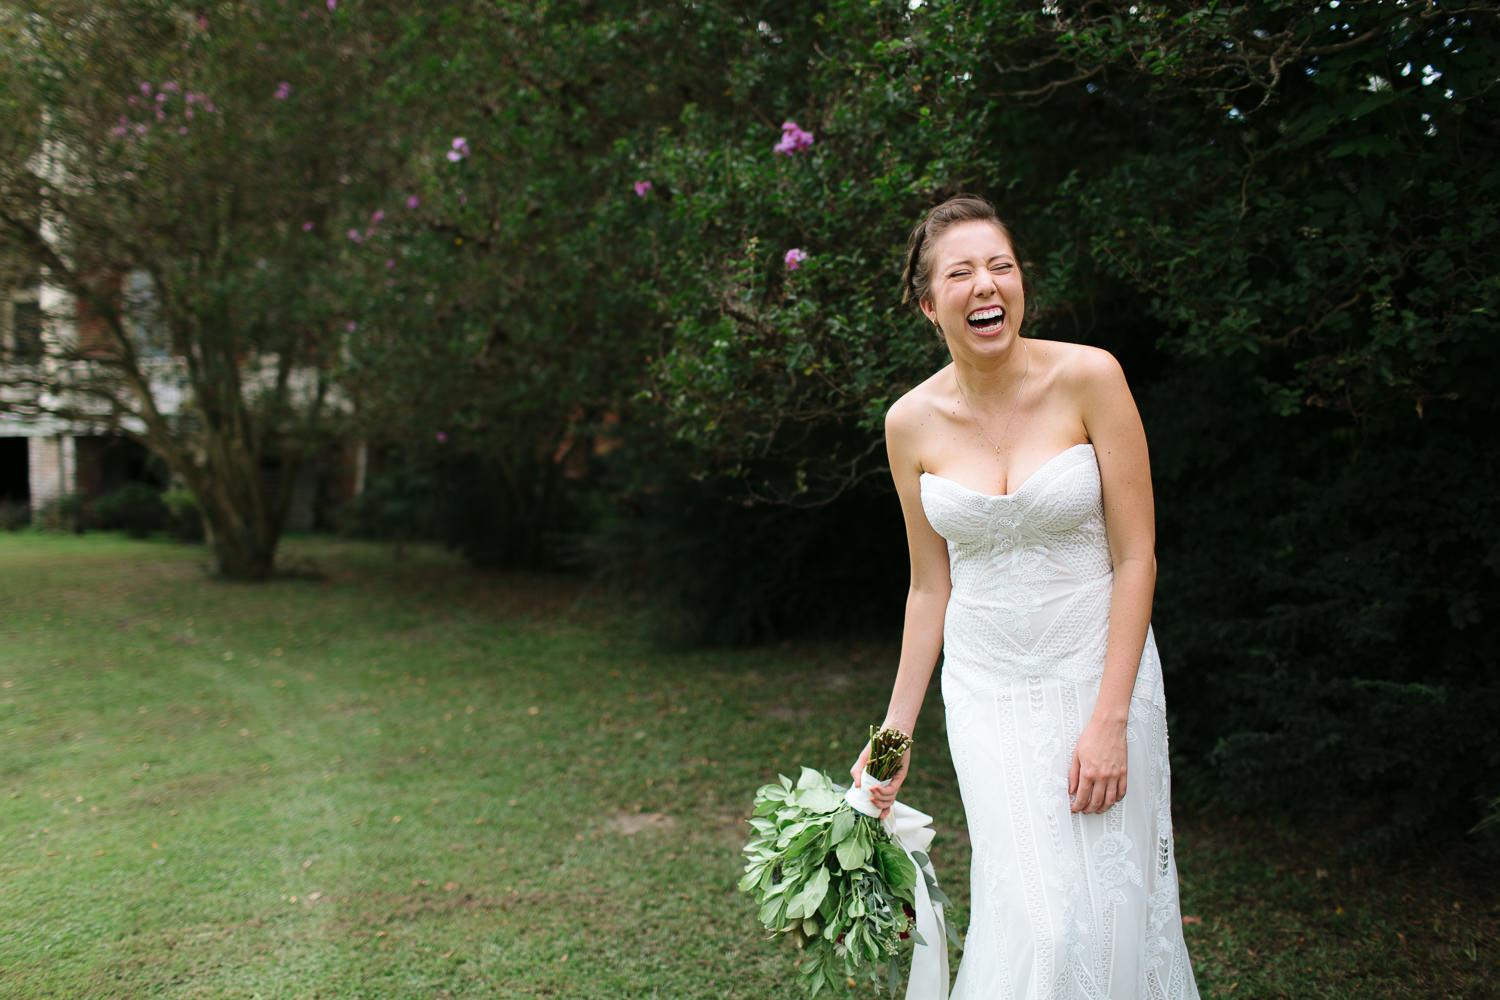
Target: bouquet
848	887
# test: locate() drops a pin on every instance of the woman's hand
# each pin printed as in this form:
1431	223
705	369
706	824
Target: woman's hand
1096	778
885	795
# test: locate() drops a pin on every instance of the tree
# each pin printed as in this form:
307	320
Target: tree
1280	218
182	181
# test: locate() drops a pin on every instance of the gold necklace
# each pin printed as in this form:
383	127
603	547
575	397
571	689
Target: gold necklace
1015	403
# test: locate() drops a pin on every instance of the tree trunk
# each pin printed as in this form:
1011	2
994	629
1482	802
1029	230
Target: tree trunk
244	547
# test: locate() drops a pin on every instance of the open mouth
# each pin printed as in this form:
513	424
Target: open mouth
987	320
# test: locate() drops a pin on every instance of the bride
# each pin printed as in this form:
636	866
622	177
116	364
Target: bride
1026	489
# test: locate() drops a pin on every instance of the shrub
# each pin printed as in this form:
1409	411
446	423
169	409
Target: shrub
68	512
13	515
135	508
184	519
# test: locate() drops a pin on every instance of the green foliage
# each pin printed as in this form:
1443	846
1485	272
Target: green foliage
832	879
134	508
68	512
185	521
1212	193
711	566
14	515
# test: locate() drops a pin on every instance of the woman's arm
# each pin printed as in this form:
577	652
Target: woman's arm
1097	779
927	598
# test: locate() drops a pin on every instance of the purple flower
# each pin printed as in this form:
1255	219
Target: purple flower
307	227
191	97
182	130
352	326
793	139
333	5
283	90
160	98
146	88
379	216
353	234
642	188
413	202
389	264
170	87
442	437
459	151
794	258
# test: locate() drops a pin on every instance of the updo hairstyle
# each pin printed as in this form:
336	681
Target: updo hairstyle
916	277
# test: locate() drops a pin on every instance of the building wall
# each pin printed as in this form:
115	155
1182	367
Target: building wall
53	468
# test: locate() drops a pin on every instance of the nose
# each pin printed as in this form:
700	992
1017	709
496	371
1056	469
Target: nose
984	284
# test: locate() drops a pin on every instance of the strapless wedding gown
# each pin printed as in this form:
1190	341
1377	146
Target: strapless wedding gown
1065	906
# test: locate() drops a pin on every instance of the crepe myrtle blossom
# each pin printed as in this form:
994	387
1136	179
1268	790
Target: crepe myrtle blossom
442	437
378	217
353	234
352	326
793	139
413	201
794	258
642	188
283	90
459	151
333	5
307	227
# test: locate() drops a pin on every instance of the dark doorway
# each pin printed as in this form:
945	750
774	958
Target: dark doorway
15	471
107	463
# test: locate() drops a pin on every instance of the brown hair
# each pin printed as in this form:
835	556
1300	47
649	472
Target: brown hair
916	277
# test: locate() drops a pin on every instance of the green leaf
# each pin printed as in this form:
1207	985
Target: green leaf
843	826
853	853
810	898
895	866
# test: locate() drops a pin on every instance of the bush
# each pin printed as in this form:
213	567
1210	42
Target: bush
135	508
714	568
184	519
68	512
13	515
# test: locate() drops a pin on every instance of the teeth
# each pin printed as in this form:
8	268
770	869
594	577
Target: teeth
985	315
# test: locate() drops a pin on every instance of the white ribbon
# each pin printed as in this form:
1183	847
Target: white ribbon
912	832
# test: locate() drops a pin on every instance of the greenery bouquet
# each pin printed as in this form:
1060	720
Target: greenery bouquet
852	889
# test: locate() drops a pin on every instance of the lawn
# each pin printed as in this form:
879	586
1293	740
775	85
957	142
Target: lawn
392	777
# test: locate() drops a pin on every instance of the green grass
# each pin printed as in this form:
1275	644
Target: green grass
403	778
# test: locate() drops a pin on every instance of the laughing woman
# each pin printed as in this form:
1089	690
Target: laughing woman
1026	488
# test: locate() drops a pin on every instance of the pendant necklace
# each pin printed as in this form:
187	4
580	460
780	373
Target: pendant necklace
1017	402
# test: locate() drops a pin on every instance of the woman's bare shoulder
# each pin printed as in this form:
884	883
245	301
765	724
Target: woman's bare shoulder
916	408
1079	368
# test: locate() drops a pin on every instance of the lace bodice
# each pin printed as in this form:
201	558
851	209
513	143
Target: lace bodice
1031	575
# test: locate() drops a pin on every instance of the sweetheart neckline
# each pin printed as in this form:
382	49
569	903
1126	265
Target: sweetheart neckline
1024	483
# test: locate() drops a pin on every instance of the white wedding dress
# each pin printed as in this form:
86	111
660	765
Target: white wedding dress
1065	906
